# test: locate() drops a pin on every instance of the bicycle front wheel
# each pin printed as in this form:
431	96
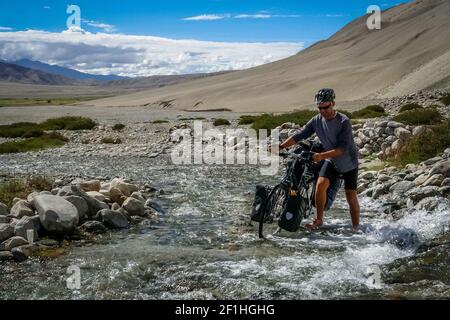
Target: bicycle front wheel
273	208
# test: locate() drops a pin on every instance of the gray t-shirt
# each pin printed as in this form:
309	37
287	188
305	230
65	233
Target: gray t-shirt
334	133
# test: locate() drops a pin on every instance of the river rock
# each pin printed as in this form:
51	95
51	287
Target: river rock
432	161
6	256
21	209
126	188
28	223
93	227
6	232
434	180
114	219
134	207
445	182
420	193
430	203
368	175
401	187
155	206
138	196
13	242
420	179
57	215
3	209
117	196
23	252
5	219
91	185
96	195
80	204
115	206
442	167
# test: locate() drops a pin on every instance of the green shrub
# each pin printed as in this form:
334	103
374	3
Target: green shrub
33	134
368	112
247	119
111	141
118	127
347	113
425	116
68	123
17	130
221	122
410	106
22	188
33	144
426	145
445	99
270	121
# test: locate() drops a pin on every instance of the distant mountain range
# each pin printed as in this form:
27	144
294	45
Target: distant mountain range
70	73
35	72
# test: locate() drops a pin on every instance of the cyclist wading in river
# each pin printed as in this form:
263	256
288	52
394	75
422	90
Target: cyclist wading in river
340	158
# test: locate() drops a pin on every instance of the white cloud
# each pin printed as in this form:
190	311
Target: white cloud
260	15
130	55
104	26
206	17
253	16
6	29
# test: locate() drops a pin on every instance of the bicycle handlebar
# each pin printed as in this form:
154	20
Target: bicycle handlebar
304	155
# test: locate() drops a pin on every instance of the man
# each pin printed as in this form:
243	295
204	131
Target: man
340	157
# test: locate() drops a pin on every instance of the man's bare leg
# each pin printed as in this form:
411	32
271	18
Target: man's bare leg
322	186
352	199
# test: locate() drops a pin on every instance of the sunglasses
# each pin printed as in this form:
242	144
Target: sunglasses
324	108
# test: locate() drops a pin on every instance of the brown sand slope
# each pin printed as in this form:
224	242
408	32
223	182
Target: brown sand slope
402	57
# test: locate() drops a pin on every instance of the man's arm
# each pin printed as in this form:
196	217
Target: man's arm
305	133
328	155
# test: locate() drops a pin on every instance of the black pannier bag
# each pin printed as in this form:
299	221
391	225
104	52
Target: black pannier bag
261	194
290	218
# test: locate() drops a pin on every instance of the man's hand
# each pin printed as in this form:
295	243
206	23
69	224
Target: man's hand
317	157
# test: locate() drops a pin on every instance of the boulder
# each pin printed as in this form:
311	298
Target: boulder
394	124
93	204
402	134
5	219
420	179
6	232
21	209
28	223
134	207
11	243
56	214
445	182
80	204
117	196
368	175
113	219
138	196
155	206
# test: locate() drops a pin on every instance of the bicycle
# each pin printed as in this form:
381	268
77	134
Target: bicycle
291	184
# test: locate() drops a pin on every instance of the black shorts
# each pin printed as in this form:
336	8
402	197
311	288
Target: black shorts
350	178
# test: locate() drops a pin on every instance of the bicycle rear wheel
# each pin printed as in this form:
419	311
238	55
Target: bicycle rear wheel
273	208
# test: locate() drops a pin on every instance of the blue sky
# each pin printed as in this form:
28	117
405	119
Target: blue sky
300	20
283	26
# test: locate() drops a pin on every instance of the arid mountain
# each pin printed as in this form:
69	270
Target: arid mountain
409	53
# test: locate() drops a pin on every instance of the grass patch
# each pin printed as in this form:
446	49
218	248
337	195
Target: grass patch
247	119
347	113
112	141
424	116
18	130
445	99
221	122
160	121
118	127
23	102
43	142
270	121
68	123
22	188
373	111
410	106
425	145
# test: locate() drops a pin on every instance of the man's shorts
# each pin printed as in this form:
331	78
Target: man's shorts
350	178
